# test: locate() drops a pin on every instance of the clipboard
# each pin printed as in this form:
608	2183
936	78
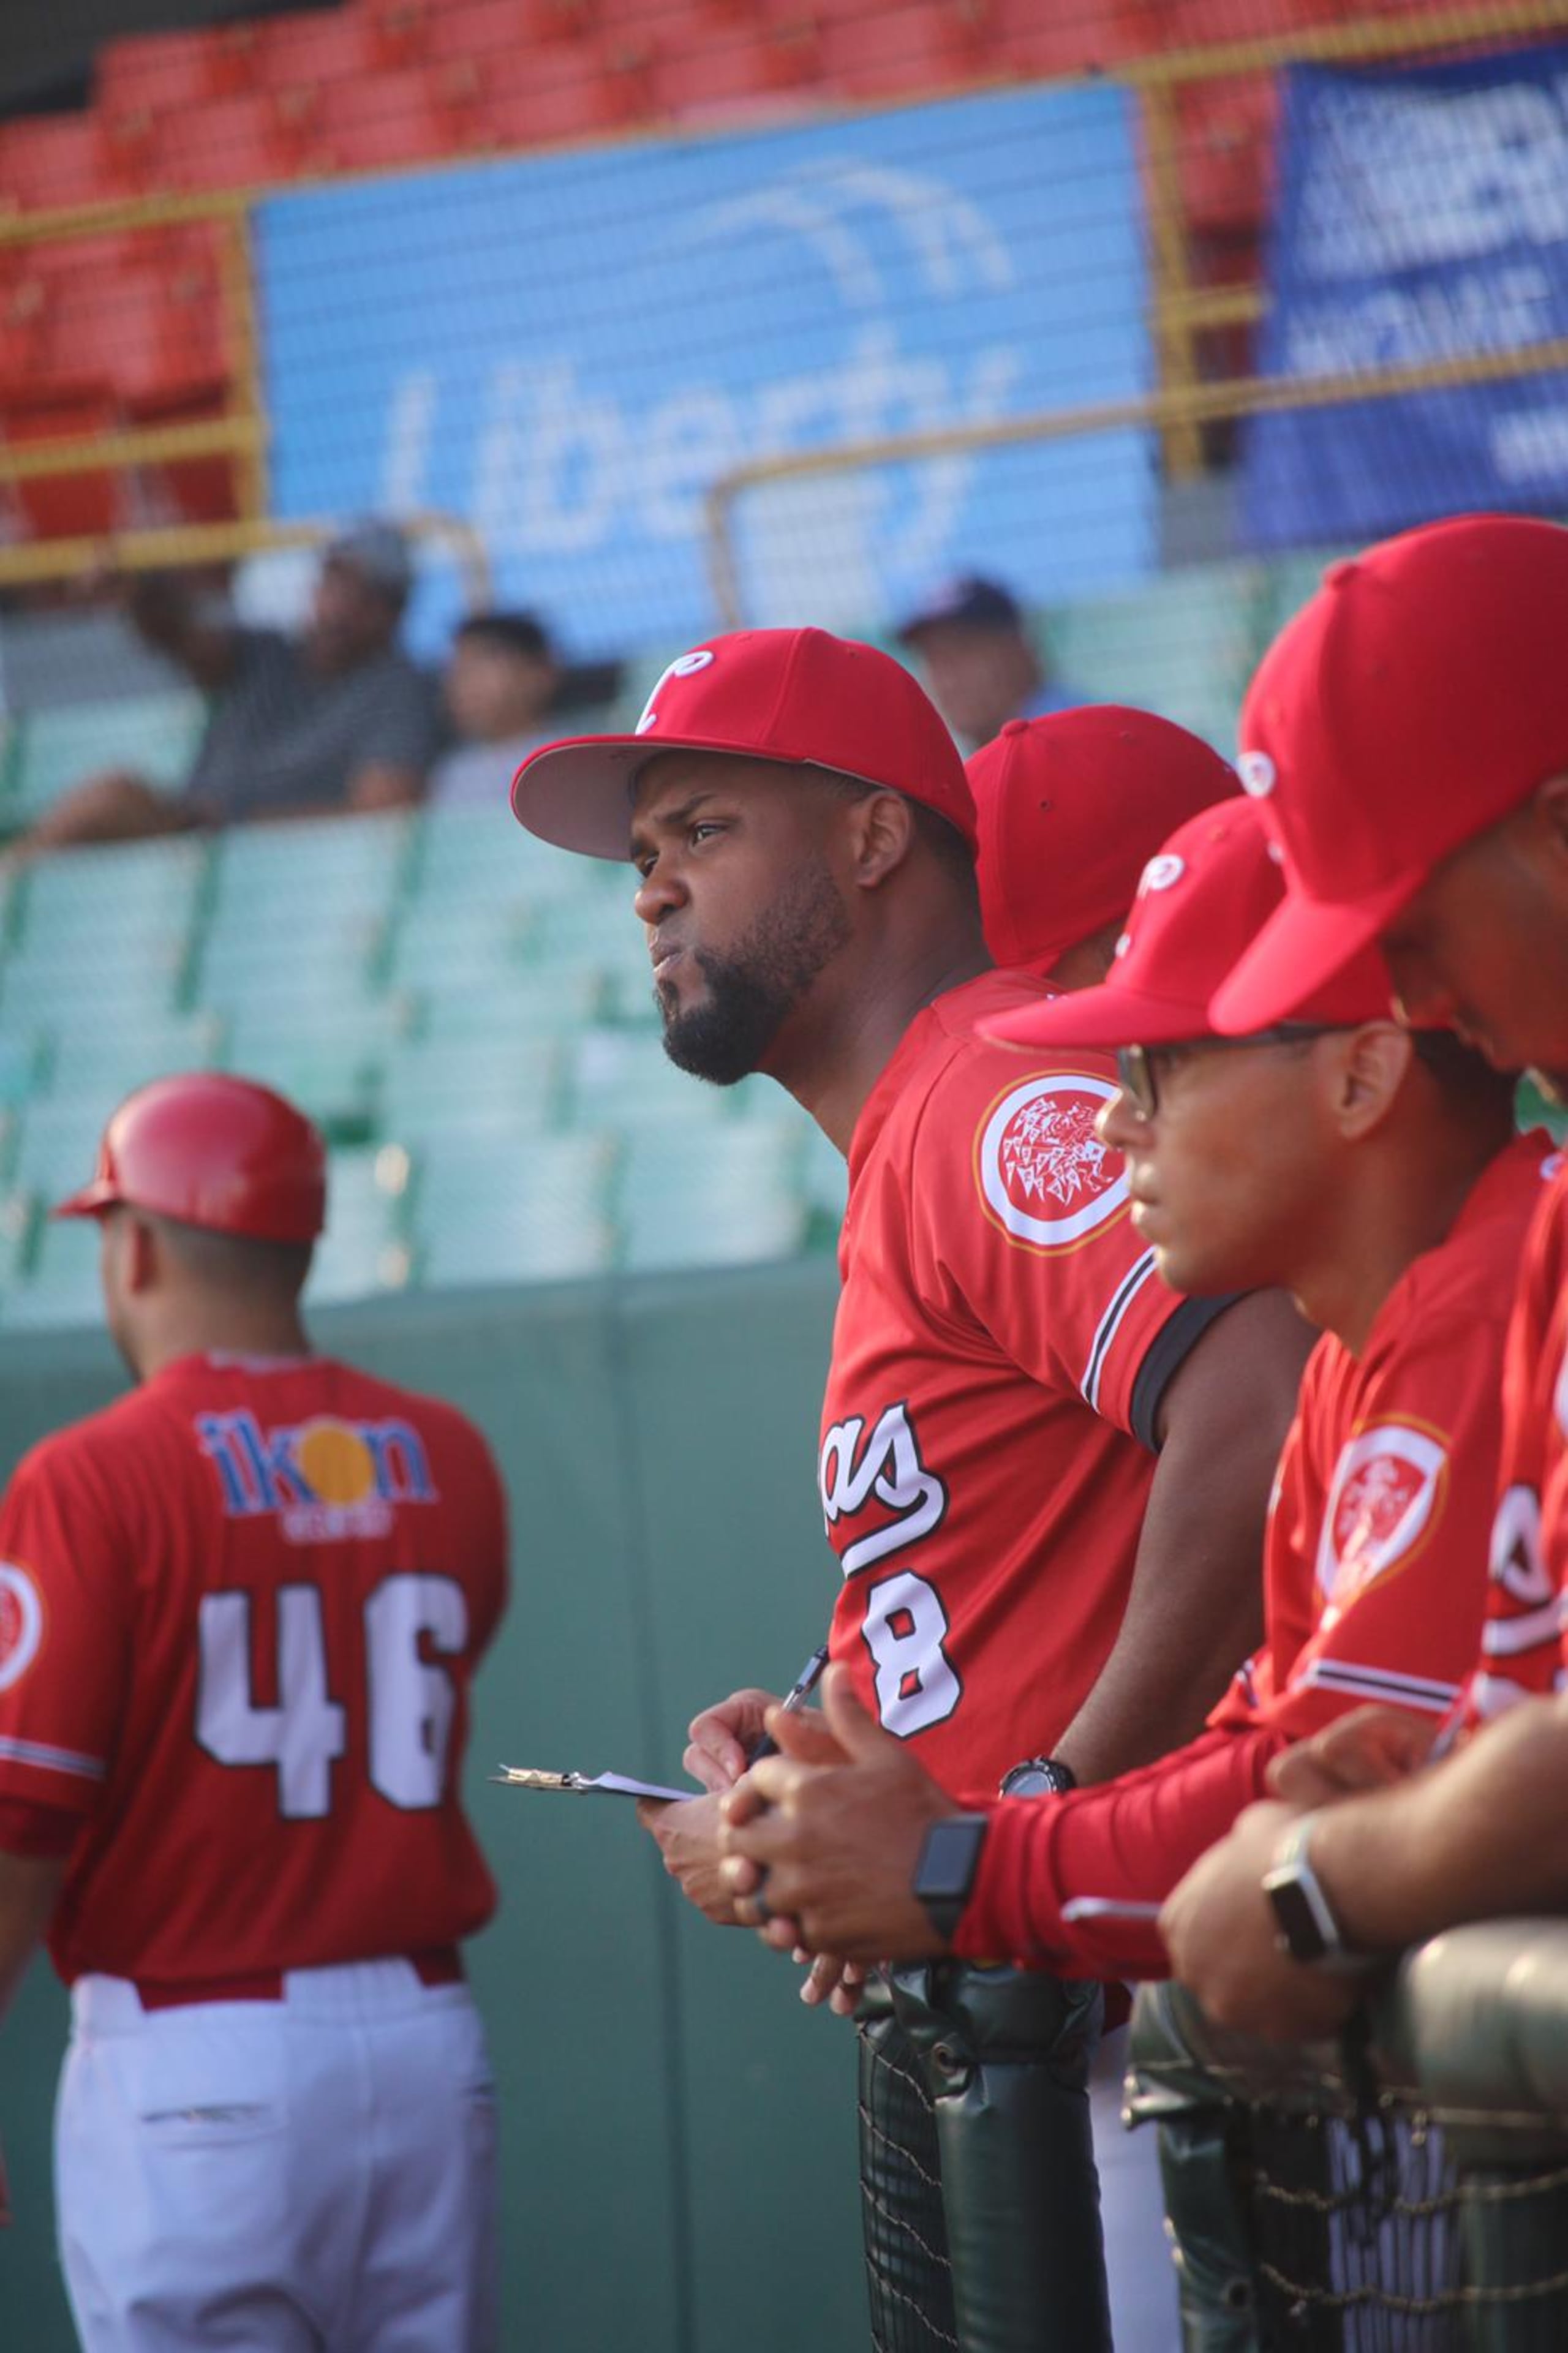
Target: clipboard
583	1785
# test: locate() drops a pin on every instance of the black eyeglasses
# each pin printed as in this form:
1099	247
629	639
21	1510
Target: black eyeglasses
1136	1066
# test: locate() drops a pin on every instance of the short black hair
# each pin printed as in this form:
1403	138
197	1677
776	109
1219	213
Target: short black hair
938	834
1472	1085
511	633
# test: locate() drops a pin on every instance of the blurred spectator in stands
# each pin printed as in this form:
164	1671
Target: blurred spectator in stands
980	664
502	685
338	718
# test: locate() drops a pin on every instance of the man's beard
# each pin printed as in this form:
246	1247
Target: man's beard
754	988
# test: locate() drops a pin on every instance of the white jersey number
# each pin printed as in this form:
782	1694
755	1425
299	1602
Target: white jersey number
410	1701
904	1626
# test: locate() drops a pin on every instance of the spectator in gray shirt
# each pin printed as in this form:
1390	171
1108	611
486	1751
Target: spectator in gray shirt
502	686
334	719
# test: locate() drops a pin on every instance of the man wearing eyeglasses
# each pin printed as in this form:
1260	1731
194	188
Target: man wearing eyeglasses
1371	1172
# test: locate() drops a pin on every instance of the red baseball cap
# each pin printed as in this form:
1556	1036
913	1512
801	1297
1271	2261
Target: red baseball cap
1413	701
1202	901
760	694
1069	809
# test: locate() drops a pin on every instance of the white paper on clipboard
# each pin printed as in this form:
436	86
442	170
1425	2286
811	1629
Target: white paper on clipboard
609	1785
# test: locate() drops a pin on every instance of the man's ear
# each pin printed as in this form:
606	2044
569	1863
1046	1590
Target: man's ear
1367	1075
882	833
144	1257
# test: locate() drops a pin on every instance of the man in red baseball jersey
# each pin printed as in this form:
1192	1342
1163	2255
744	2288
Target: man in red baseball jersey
1408	746
1044	1476
239	1611
1376	1177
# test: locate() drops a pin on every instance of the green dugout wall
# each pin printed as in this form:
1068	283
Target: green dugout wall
679	2133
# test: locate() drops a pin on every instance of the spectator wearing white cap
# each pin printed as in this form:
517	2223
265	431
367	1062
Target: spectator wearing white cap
980	664
336	719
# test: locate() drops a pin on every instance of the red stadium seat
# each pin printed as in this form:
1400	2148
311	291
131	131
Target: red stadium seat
57	506
881	53
554	92
54	160
400	29
380	122
480	33
233	142
719	68
304	51
1021	37
163	73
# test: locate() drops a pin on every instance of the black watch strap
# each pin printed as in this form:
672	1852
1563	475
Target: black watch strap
1039	1777
945	1874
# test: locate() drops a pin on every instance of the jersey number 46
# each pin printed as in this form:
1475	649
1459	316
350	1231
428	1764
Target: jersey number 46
410	1700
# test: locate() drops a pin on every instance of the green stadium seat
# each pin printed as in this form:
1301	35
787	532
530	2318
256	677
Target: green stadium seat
283	877
335	960
55	1143
446	1085
623	1080
1183	645
108	1065
142	891
520	1005
364	1248
22	1060
497	1209
473	857
63	1286
440	944
154	736
119	985
1291	580
728	1196
597	928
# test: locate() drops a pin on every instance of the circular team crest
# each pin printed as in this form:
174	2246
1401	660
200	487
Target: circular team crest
1384	1495
21	1623
1045	1176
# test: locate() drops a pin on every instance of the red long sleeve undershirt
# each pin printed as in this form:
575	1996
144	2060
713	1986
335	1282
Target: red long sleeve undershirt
1124	1843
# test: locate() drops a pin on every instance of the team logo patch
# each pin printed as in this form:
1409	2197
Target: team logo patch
21	1623
1161	872
684	666
323	1478
1045	1176
1385	1492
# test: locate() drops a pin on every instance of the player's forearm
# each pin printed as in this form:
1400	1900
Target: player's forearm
1073	1882
1482	1834
1195	1610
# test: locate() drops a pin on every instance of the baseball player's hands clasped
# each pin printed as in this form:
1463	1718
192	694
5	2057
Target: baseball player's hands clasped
1368	1749
834	1825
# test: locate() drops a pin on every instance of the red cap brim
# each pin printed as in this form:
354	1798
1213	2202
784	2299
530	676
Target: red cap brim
1300	949
1100	1016
90	1201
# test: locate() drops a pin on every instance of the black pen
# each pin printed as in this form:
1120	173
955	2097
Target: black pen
798	1693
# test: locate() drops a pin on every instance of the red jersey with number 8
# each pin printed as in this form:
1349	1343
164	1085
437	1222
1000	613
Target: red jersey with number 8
239	1611
999	1351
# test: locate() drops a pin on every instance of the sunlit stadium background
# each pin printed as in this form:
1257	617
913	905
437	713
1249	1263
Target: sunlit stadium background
655	317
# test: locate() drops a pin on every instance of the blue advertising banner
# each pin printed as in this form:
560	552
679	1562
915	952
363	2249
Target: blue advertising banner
569	349
1422	217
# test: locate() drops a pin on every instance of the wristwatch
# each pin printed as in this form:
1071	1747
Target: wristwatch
1307	1928
945	1874
1038	1776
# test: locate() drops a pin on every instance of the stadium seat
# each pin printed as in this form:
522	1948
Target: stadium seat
284	873
443	946
401	30
60	506
702	66
22	1059
719	1197
153	737
89	1063
389	119
1020	37
885	52
124	984
622	1081
1225	160
553	92
527	1004
448	1086
55	1144
63	1287
146	893
474	36
498	1209
300	54
239	141
48	162
1183	645
164	73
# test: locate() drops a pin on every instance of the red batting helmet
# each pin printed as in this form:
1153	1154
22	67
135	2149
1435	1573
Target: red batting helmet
211	1151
